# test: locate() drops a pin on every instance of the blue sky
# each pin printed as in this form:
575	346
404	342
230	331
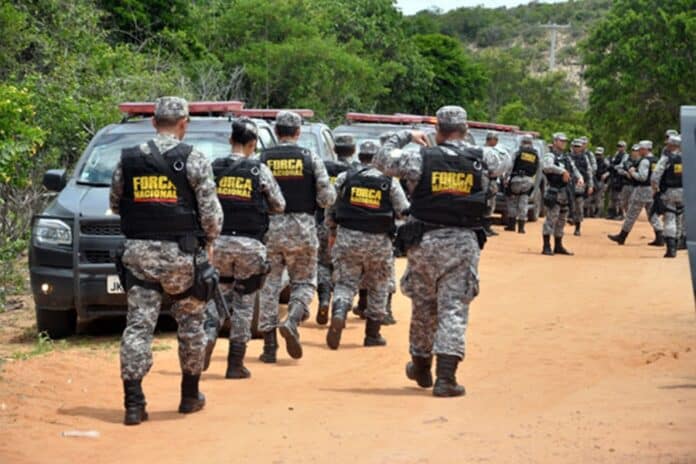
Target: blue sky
414	6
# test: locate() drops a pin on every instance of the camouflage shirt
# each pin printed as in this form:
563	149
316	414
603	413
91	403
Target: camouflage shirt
200	176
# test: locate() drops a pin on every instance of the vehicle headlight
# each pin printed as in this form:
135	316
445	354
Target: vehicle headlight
51	232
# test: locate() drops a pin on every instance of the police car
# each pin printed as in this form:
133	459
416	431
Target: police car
73	277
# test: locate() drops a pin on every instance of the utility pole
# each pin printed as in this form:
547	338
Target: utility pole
554	36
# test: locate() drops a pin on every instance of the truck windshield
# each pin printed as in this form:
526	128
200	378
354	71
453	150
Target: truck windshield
103	156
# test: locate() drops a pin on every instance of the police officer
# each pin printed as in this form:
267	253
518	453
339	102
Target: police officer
492	142
617	181
524	167
291	240
248	193
363	216
345	149
563	177
628	183
165	193
667	181
641	197
584	189
601	182
448	185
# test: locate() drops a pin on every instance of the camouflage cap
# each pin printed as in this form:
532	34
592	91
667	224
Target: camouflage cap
577	143
584	139
526	138
647	144
451	116
171	108
560	136
599	150
635	147
491	135
670	132
621	143
674	139
385	136
345	140
288	119
368	147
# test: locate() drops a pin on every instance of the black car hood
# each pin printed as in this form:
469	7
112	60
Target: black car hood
86	200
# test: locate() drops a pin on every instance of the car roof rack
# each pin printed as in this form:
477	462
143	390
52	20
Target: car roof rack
271	113
384	118
196	108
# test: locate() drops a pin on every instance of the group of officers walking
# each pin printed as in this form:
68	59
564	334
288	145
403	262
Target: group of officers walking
193	227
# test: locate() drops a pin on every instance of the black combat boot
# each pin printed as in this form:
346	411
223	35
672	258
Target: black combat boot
359	310
547	246
558	248
577	229
389	317
619	238
681	243
324	294
289	330
510	224
372	335
134	402
671	244
659	239
270	347
446	383
235	362
520	226
419	369
338	323
192	400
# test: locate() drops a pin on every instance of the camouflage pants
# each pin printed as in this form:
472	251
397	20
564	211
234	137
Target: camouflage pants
578	209
598	196
241	258
615	199
518	201
441	279
367	258
161	262
674	216
290	245
641	198
556	217
324	256
392	279
625	197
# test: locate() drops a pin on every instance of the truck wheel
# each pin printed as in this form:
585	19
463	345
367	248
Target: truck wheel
56	323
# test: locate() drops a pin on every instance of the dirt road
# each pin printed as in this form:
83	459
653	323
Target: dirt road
571	360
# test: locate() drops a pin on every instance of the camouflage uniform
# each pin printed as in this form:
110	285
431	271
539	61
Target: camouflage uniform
581	191
163	262
557	215
362	257
641	198
292	243
616	181
673	199
242	257
442	273
520	186
627	189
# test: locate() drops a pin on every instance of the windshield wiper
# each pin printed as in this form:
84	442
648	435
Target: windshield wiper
94	184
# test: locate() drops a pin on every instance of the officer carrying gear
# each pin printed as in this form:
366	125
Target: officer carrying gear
667	184
164	192
521	184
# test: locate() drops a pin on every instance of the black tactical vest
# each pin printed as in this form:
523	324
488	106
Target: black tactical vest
672	177
364	203
450	191
158	202
243	203
526	162
636	164
291	165
582	164
560	160
333	168
602	166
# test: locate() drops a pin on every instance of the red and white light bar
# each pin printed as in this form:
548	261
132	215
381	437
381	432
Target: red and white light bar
492	126
271	113
534	134
197	107
384	118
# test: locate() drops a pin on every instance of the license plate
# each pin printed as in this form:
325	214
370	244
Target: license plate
113	285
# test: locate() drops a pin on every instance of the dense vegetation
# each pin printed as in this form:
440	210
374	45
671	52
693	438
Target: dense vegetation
65	64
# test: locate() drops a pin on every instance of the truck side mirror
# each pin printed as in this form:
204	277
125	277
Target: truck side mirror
54	180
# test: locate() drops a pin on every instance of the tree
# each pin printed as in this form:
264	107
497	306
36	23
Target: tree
640	67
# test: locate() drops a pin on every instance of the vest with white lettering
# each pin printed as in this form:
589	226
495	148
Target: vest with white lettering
291	165
364	203
672	177
526	162
153	205
450	191
244	204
